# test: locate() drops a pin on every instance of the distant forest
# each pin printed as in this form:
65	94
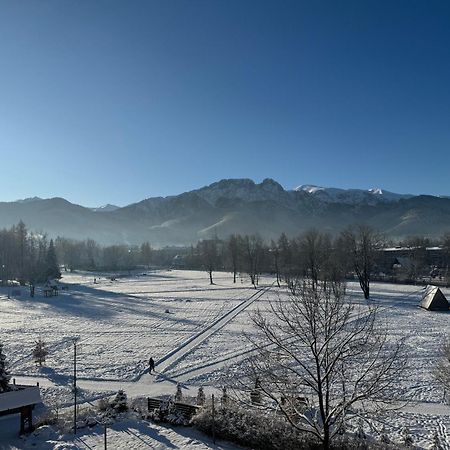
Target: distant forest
33	258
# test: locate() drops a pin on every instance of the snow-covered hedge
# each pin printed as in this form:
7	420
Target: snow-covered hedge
259	431
251	428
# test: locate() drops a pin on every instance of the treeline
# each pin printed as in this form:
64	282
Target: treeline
26	257
30	257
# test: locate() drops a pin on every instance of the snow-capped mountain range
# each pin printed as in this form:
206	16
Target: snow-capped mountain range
234	206
351	196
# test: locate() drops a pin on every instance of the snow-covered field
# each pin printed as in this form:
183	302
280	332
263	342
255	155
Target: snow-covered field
194	332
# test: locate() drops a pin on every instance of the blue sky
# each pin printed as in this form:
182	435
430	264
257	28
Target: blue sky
116	101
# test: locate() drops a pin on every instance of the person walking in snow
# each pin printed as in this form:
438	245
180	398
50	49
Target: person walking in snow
151	364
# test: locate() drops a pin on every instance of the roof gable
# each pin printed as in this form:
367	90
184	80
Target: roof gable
434	300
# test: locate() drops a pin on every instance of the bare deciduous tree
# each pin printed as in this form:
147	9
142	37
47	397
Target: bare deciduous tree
234	249
323	360
359	244
208	250
253	252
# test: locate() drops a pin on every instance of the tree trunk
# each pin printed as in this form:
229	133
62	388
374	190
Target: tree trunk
326	438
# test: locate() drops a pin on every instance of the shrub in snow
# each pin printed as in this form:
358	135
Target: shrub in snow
178	394
201	396
262	430
4	375
251	428
40	352
109	408
224	398
119	403
407	439
103	404
168	414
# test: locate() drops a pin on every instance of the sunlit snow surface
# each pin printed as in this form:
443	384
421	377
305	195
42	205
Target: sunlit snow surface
121	323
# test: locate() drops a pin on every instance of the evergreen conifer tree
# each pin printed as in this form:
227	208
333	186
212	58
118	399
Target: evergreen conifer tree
4	375
52	266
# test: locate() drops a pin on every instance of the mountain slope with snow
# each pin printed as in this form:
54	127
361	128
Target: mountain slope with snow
351	196
234	206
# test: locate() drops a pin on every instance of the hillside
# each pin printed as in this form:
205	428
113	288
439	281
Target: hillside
234	206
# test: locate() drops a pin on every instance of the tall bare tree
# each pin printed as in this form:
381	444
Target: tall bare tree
315	250
323	360
253	254
208	251
359	245
234	247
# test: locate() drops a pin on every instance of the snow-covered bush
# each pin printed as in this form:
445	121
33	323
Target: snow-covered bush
119	403
251	428
167	413
110	408
268	431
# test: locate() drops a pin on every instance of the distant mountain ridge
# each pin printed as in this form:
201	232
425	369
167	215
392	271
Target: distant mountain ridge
234	206
351	196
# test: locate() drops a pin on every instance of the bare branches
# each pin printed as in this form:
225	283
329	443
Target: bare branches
319	347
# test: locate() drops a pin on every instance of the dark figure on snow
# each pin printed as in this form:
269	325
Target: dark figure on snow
151	364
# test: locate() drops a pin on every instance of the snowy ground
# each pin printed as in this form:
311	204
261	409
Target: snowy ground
123	435
193	331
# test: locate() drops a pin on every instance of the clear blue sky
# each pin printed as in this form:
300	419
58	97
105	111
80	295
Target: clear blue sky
116	101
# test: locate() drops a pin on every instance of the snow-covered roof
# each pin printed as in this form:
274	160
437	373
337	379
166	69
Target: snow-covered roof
434	299
401	249
23	396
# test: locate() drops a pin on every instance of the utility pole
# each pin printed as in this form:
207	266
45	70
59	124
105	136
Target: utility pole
75	386
105	437
213	420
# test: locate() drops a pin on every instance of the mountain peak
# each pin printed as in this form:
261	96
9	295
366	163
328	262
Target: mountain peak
29	200
105	208
272	184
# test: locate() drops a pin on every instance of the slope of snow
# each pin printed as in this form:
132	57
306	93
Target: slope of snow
105	208
29	200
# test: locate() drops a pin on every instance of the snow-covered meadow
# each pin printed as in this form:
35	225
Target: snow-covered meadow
194	331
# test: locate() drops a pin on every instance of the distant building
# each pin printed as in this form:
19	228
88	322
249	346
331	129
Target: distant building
393	259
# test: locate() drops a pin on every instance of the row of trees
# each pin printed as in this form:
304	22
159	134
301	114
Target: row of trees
314	255
30	257
27	257
358	251
89	255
